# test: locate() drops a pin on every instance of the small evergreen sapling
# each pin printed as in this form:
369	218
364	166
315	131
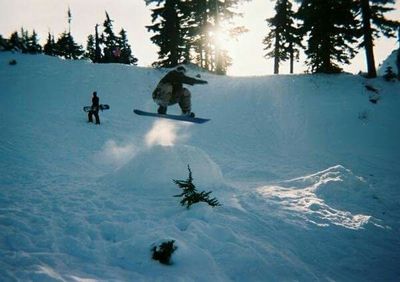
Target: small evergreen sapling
389	74
191	196
163	252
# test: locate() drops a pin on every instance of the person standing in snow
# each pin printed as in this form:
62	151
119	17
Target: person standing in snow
170	91
95	108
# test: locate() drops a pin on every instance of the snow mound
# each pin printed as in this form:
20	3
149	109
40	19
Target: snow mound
332	196
159	165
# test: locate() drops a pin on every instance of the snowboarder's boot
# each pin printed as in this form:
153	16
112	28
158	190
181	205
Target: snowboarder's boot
162	110
188	114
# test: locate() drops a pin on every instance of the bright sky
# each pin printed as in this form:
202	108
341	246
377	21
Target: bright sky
133	15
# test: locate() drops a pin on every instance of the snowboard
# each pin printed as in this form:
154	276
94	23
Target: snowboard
101	107
173	117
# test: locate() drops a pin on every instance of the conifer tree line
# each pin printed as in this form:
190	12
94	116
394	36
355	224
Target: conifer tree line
104	47
186	31
330	32
21	41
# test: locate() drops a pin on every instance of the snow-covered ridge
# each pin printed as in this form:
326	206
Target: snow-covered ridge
389	62
306	168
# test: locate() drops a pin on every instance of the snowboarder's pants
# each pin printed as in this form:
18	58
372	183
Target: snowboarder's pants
164	96
96	115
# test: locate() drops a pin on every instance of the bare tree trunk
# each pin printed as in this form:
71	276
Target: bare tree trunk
291	58
276	55
368	40
97	52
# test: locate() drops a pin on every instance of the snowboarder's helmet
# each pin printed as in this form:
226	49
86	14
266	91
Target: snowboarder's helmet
94	93
181	69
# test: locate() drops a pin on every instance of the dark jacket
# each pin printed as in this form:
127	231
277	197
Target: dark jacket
177	79
95	101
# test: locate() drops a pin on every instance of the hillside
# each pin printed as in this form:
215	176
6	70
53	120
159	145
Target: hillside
306	167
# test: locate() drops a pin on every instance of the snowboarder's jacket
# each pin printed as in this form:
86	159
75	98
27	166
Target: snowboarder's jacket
177	79
95	103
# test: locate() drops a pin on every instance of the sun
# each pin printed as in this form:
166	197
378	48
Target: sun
220	39
225	38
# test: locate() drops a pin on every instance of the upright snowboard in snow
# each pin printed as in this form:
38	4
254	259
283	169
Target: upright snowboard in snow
101	107
174	117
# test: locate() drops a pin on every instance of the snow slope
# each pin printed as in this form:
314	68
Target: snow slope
307	170
389	62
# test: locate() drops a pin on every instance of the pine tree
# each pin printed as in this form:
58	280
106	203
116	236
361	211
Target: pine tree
109	47
191	196
332	29
216	14
126	56
15	43
169	33
198	36
186	22
33	46
109	41
24	40
50	47
3	43
389	75
207	18
221	11
283	37
374	23
67	48
187	30
97	50
91	48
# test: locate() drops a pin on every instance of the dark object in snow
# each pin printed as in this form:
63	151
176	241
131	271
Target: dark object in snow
371	88
363	115
173	117
12	62
191	195
373	98
101	107
163	252
373	101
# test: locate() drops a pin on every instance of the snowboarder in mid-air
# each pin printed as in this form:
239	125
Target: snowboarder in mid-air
170	91
94	108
